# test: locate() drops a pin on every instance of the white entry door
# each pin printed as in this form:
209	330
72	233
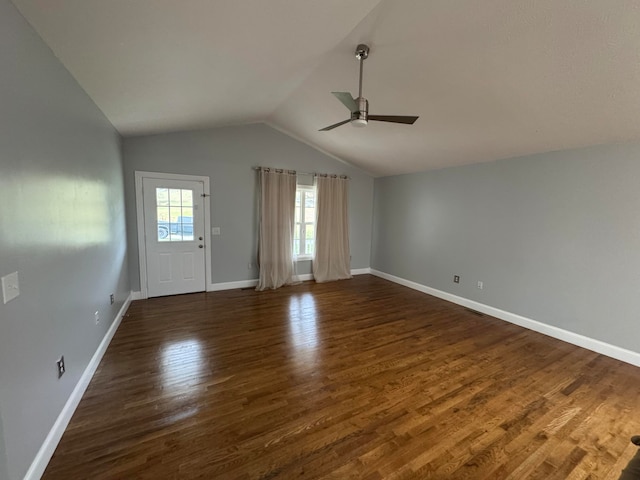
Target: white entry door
174	234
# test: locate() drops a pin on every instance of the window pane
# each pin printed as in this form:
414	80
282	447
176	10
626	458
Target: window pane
163	214
309	238
305	218
187	198
310	199
163	232
296	247
163	223
175	197
309	214
310	206
162	197
309	230
297	242
187	214
185	224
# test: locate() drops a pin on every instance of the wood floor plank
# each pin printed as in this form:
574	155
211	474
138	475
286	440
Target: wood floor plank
361	379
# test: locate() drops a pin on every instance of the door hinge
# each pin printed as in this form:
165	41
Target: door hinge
205	195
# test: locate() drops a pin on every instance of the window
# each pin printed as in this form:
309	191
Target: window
174	208
304	234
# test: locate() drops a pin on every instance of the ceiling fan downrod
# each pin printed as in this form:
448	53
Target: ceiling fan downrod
360	117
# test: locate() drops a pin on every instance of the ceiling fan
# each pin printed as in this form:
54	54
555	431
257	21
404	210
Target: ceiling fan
359	107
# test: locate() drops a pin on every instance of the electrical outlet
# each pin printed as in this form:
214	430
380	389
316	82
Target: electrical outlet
456	279
480	285
61	367
112	298
97	317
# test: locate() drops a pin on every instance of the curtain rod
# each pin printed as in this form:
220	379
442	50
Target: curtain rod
294	172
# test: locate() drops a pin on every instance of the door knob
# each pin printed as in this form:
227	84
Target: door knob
200	246
200	238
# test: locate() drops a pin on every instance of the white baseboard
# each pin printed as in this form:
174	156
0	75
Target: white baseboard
215	287
137	296
303	277
360	271
50	443
592	344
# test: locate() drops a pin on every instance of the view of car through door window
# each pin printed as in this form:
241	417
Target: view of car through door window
174	207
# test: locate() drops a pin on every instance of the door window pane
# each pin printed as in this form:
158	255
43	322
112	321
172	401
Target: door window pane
175	197
187	198
163	214
162	197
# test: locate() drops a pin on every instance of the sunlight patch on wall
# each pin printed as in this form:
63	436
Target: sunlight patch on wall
54	211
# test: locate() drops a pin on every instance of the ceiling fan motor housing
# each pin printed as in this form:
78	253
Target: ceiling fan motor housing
360	117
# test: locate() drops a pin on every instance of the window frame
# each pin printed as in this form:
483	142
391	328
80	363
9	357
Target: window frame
301	230
175	231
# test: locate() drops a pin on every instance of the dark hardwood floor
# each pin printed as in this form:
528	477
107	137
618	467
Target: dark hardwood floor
358	379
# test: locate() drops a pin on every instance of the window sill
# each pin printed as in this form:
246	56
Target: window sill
303	258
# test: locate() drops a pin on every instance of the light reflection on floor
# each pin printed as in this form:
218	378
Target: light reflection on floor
303	330
182	366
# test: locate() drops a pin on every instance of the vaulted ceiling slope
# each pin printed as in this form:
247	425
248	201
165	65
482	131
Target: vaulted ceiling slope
490	80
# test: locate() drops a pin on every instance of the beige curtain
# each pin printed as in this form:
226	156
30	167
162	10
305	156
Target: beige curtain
332	258
275	244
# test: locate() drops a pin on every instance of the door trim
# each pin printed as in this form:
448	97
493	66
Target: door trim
142	248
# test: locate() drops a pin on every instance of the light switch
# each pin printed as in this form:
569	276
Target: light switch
10	287
215	230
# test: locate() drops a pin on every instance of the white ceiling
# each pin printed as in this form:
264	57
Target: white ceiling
489	80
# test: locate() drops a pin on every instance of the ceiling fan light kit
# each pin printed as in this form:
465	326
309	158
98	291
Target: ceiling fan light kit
359	107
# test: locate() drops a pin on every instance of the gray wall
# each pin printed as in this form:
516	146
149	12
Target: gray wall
61	227
4	473
227	156
554	237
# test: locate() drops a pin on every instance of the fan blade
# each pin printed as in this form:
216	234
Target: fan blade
347	100
394	118
331	127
